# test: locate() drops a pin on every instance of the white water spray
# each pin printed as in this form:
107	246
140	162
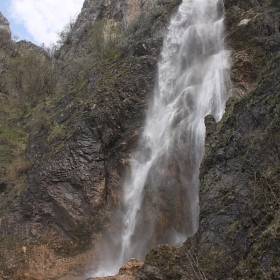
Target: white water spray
161	194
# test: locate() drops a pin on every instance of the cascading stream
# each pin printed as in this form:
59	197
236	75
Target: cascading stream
160	199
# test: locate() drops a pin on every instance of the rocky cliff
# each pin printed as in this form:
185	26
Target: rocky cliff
238	235
4	27
80	125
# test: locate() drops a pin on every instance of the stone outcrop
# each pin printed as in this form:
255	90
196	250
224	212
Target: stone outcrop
4	27
125	15
126	272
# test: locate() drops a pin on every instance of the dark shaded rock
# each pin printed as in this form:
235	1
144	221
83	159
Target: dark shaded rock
3	186
140	50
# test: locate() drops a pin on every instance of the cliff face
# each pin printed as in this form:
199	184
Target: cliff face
82	127
81	133
238	235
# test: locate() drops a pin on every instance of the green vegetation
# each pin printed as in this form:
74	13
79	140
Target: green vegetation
28	76
13	141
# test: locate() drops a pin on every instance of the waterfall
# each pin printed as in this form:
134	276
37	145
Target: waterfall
160	199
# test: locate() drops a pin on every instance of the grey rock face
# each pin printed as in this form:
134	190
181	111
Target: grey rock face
4	26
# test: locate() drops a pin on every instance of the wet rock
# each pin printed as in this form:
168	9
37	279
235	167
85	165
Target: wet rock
126	272
237	236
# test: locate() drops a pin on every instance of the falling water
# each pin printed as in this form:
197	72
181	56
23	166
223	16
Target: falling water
160	199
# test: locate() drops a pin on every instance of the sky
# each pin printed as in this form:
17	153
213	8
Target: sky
39	21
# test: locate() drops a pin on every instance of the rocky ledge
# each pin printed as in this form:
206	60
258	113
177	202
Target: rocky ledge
126	272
